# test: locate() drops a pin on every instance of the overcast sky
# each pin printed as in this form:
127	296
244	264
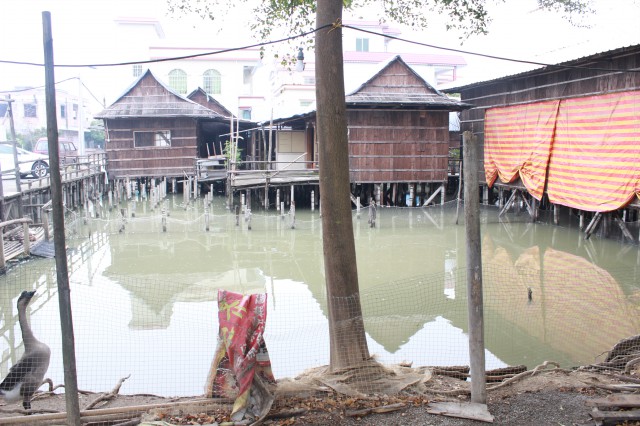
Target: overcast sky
82	33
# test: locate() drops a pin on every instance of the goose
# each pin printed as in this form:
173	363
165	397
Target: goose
25	377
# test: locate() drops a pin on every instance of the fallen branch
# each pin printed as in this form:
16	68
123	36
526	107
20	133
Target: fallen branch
378	410
106	397
544	365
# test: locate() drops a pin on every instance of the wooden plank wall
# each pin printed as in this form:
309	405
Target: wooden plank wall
398	145
124	160
549	84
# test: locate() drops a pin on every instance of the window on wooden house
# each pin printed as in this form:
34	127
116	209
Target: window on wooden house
178	81
30	110
212	82
137	70
152	138
362	44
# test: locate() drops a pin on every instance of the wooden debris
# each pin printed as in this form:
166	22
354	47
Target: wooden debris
616	416
609	409
621	401
464	410
492	376
106	397
381	409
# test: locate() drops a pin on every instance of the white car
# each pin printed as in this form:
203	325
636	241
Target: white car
30	163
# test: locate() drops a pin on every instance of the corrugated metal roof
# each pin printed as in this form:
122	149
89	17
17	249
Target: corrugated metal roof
573	62
164	103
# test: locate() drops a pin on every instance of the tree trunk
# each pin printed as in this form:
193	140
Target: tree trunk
348	345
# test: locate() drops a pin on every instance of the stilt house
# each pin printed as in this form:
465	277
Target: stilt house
565	135
398	128
151	131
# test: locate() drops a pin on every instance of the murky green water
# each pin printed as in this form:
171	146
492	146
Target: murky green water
144	300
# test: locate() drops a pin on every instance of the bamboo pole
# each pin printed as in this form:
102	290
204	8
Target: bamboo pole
474	270
64	298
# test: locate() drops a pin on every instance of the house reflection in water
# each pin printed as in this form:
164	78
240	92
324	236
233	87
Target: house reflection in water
578	310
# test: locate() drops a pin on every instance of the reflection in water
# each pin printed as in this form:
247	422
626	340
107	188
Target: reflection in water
144	300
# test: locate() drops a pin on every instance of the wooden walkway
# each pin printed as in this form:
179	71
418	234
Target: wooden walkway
249	179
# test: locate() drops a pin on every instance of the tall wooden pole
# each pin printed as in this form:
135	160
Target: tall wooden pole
474	270
62	274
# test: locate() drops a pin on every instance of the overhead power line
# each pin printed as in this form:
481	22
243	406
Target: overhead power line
217	52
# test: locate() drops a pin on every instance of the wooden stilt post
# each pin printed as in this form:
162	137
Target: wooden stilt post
474	271
26	241
293	212
164	219
592	225
313	200
393	192
411	194
292	200
372	213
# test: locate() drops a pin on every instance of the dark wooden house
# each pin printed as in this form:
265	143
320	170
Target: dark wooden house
153	132
562	135
398	127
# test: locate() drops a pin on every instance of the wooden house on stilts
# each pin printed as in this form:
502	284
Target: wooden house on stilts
153	133
398	130
563	138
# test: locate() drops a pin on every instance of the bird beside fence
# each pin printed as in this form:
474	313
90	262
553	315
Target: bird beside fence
25	377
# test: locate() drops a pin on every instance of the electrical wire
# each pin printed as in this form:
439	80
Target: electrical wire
333	25
233	49
521	61
175	58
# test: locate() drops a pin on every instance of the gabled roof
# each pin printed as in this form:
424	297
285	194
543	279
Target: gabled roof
149	97
398	85
208	101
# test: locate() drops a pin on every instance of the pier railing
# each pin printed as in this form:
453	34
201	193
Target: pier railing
13	250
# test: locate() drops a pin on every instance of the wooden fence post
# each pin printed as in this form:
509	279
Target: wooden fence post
474	270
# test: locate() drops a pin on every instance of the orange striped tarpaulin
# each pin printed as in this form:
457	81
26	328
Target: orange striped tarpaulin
586	150
595	160
517	143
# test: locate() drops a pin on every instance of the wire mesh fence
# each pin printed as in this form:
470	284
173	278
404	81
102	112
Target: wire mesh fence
162	336
146	317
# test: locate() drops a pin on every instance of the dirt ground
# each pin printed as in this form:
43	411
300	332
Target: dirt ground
546	398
